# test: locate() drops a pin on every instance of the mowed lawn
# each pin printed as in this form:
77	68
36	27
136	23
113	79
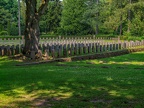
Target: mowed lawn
116	82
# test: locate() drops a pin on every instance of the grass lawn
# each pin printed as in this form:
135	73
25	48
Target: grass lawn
116	82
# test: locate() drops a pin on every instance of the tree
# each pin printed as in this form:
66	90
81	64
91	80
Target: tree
50	21
32	31
10	16
19	24
93	14
5	17
72	16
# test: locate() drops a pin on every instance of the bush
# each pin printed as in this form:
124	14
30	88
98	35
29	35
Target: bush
127	33
124	37
142	37
3	33
133	38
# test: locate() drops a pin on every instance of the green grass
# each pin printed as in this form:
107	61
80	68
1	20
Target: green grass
116	82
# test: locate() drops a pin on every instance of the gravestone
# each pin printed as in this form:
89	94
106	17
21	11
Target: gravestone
72	49
101	48
12	49
111	47
17	49
76	49
81	49
114	46
53	53
5	50
65	50
2	50
93	48
84	48
32	55
97	47
8	50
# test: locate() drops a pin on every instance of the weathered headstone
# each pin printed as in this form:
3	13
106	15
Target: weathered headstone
65	50
53	53
9	51
111	47
117	46
71	49
75	49
32	55
2	50
17	49
101	48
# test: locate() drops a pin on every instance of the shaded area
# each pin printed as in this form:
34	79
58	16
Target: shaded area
82	57
105	82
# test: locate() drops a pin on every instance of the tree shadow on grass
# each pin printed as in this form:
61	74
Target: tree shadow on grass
76	85
6	62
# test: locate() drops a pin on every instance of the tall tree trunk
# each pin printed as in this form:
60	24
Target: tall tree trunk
97	26
32	31
129	17
19	25
120	32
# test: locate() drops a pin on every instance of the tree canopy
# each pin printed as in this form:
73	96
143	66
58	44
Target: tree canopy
79	17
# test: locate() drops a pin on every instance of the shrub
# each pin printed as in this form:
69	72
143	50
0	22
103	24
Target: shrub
133	38
3	33
124	37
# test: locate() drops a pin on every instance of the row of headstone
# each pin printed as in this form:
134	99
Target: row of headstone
65	38
78	38
10	50
134	44
11	41
65	50
57	50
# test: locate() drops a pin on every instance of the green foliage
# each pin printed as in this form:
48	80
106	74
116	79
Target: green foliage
14	29
80	17
50	21
8	16
1	27
9	36
94	15
4	33
133	38
72	16
5	17
127	33
129	15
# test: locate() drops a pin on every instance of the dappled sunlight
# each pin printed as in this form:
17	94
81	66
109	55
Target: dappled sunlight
114	62
134	59
102	82
109	79
125	63
102	88
50	70
114	93
29	96
5	62
129	96
121	93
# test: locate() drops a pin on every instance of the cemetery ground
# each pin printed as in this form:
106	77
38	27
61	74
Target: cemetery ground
100	83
